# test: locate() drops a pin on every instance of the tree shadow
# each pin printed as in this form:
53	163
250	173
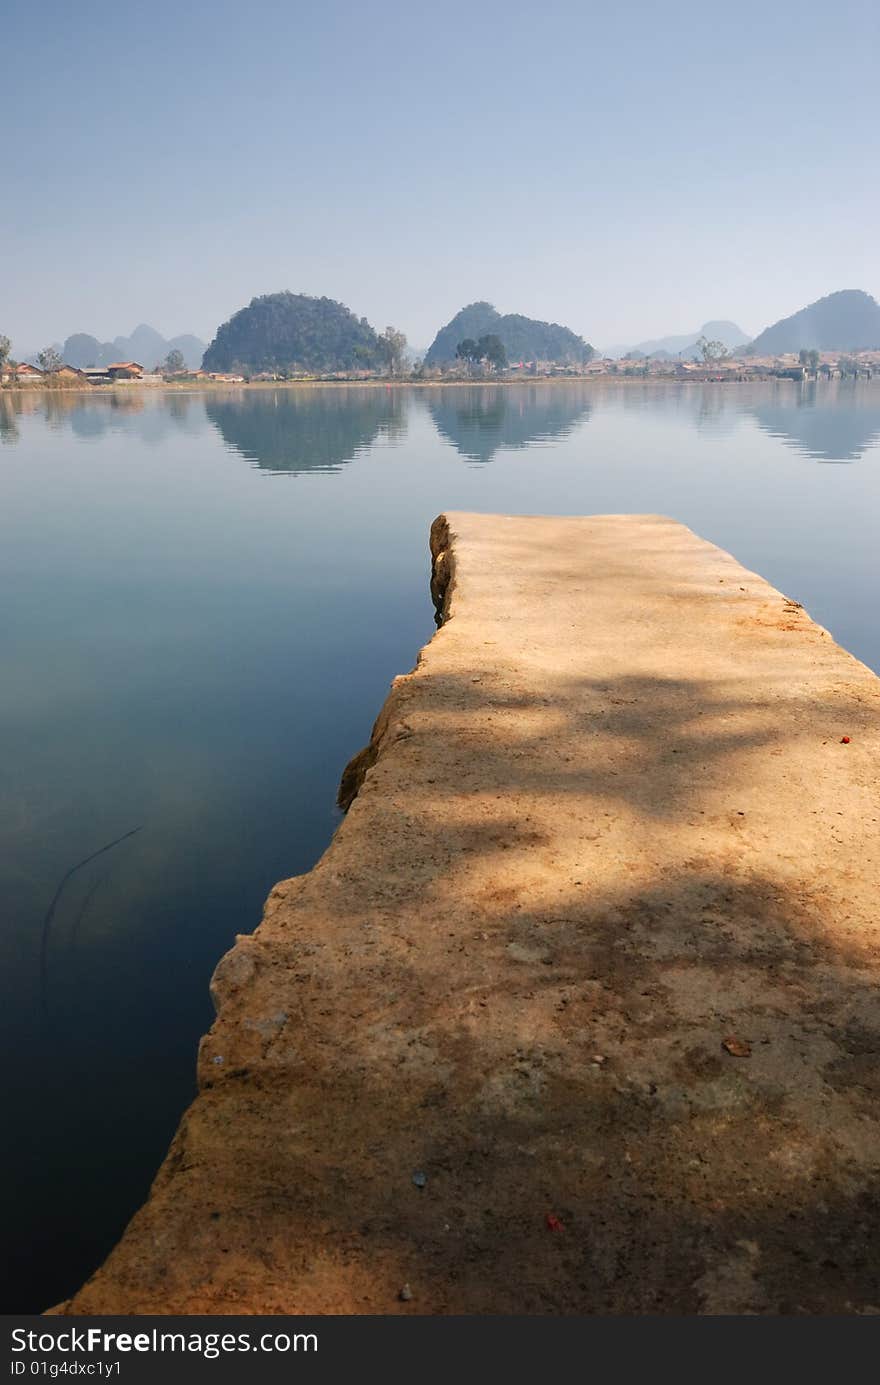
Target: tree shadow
518	979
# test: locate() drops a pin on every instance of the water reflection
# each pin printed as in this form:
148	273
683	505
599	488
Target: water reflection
714	410
150	417
9	432
830	422
192	650
313	429
479	420
306	429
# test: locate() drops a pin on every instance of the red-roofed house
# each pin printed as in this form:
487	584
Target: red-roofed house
25	373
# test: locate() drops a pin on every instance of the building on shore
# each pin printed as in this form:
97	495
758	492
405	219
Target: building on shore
125	370
23	374
216	376
67	372
120	371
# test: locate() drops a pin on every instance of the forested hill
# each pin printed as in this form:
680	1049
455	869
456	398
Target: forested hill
524	338
844	321
292	331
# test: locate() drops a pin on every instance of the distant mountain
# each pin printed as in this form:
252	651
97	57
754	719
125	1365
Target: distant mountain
145	345
667	348
524	338
191	348
845	321
292	331
81	350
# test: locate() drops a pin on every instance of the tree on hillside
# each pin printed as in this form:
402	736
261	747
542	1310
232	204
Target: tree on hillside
49	359
5	348
491	349
174	363
712	351
391	345
468	351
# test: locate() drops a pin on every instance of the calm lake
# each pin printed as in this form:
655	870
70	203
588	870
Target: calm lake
205	598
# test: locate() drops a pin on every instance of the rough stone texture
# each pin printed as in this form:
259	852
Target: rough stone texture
606	825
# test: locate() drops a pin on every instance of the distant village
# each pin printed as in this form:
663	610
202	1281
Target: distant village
119	373
823	365
817	366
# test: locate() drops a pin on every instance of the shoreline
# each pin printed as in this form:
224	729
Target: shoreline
601	381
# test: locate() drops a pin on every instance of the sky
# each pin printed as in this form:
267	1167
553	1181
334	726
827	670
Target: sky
628	170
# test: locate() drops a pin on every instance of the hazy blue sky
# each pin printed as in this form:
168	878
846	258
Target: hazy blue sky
629	170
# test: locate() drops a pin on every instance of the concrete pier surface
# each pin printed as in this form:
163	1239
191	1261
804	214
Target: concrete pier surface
579	1012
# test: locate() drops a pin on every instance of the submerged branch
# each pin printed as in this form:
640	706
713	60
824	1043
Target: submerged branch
50	913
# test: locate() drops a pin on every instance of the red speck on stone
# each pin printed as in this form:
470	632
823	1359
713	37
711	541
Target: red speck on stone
844	740
553	1222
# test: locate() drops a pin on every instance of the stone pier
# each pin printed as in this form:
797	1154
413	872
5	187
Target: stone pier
579	1012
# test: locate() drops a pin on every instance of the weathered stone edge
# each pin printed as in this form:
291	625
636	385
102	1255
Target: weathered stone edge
442	585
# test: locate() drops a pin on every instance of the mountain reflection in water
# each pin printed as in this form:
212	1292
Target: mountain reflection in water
306	429
312	428
829	422
480	420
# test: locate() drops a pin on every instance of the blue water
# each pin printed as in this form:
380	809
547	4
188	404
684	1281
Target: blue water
205	598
